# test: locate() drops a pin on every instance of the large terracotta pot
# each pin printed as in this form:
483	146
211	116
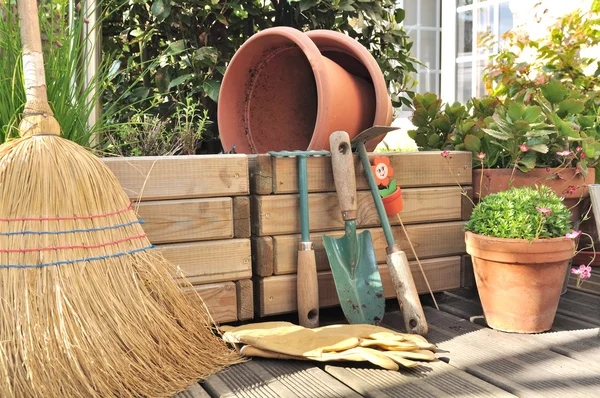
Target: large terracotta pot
496	180
280	92
519	282
356	59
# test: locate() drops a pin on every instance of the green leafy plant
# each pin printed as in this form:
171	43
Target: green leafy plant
193	41
521	213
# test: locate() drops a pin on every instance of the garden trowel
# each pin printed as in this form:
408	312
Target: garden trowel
404	284
352	257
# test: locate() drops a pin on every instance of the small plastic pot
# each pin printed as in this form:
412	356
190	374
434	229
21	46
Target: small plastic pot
393	203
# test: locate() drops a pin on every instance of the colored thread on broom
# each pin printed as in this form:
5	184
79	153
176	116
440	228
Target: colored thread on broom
81	260
72	247
70	218
70	231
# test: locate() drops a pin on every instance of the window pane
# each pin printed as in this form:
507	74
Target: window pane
410	12
428	54
463	81
485	28
480	90
506	20
412	37
429	13
464	3
427	83
434	77
464	35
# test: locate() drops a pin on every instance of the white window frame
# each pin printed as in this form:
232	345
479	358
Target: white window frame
416	49
450	60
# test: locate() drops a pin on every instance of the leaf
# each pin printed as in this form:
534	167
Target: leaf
554	92
532	113
433	139
212	88
571	106
180	80
472	143
306	4
176	47
137	32
515	110
399	15
221	18
160	9
442	123
539	133
541	148
206	53
527	162
497	134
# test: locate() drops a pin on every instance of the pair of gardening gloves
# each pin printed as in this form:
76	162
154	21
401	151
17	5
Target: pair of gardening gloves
358	343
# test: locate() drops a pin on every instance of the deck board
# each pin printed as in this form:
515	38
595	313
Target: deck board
503	359
275	378
473	360
193	391
434	379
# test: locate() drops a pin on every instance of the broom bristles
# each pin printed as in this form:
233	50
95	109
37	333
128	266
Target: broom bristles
86	307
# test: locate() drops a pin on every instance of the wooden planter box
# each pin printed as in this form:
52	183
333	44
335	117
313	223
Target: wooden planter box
434	212
196	209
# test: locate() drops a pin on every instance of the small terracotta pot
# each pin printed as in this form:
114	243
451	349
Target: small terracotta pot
280	93
519	282
496	180
393	203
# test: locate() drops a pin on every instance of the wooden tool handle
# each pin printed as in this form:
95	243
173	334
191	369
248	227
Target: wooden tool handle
37	114
307	289
406	291
342	163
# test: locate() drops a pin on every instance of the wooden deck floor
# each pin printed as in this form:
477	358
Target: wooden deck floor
474	361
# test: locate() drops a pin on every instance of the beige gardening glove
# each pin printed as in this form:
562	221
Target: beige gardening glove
283	340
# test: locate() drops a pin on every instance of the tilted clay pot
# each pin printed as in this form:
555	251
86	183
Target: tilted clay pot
280	93
393	203
519	282
355	58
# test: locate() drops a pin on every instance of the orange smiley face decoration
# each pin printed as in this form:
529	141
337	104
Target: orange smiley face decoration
382	170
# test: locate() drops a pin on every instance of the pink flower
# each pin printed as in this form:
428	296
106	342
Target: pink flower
543	210
524	148
445	153
584	271
563	153
547	169
573	234
481	155
578	149
571	189
583	156
540	80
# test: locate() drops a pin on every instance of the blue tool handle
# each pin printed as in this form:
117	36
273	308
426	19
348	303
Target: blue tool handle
385	222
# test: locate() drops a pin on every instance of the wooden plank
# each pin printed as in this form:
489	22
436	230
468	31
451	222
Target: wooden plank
464	303
267	378
220	298
211	261
241	217
277	294
193	391
245	299
171	221
580	305
279	214
467	203
591	285
467	277
433	379
449	240
261	174
181	177
262	255
514	362
414	169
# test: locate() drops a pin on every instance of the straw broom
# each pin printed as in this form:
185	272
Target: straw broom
87	309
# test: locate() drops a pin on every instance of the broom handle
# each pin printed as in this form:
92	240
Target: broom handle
33	60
